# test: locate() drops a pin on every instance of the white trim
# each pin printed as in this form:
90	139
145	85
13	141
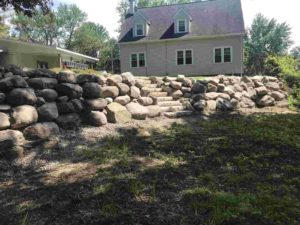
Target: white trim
182	39
184	57
185	26
143	28
138	59
77	54
222	54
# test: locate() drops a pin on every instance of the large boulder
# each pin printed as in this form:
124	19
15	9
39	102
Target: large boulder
176	85
69	121
116	113
11	142
137	111
135	92
211	95
42	83
21	96
16	70
177	94
200	105
261	91
41	131
49	95
211	105
278	96
23	116
114	79
273	86
67	77
224	104
10	83
267	100
78	105
70	90
153	111
83	78
246	103
123	88
2	97
96	118
95	104
212	88
4	121
199	88
48	112
41	73
65	108
123	100
109	92
91	90
145	101
128	78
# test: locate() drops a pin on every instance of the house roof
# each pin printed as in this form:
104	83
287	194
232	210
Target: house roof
209	18
43	49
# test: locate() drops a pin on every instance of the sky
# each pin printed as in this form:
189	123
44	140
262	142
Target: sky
104	12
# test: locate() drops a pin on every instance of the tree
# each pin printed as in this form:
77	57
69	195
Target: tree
89	39
295	52
123	6
27	7
4	29
265	37
38	28
69	18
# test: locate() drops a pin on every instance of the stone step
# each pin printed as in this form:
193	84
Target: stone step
145	81
162	99
178	114
172	108
146	91
150	85
158	94
169	103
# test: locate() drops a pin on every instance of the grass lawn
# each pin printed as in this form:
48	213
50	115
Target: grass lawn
226	170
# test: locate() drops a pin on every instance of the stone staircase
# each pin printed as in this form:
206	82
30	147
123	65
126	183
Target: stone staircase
170	107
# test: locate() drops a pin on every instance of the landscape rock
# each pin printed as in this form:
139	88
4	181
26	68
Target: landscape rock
137	111
114	79
176	85
109	91
211	105
211	95
67	77
78	105
135	92
200	105
95	104
70	90
10	83
238	96
11	142
123	88
267	100
145	101
278	96
2	97
69	121
5	108
261	91
153	111
40	101
41	73
273	86
91	90
116	113
224	104
187	82
42	83
23	116
21	96
65	107
246	103
4	121
212	88
41	131
128	78
198	88
48	112
97	119
49	95
123	100
62	99
177	94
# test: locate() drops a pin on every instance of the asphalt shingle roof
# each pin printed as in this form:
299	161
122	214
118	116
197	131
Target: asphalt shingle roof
209	18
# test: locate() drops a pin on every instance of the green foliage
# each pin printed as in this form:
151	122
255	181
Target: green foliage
4	29
265	37
280	65
89	39
295	52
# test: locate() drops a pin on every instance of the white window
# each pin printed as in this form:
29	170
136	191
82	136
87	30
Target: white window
184	57
138	60
139	30
181	26
223	55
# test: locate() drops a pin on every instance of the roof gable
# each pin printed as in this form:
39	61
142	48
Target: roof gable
209	18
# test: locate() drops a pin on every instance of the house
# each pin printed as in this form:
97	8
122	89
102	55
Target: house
203	37
31	55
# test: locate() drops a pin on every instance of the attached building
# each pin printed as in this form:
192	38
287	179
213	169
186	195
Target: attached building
197	38
25	54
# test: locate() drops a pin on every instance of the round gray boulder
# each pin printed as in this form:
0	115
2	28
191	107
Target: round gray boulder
21	96
91	90
23	116
41	131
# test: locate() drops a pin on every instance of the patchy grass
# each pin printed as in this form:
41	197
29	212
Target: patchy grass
227	170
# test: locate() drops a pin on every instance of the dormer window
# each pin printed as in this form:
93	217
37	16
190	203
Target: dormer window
139	30
181	26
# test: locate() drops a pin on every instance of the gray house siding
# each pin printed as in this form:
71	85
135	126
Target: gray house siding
161	57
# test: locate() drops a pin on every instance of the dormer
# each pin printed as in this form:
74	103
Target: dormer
182	22
140	25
